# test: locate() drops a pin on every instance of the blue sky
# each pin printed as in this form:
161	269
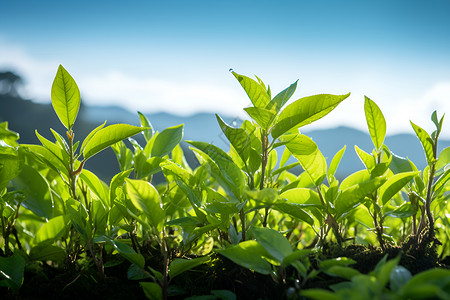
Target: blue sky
174	56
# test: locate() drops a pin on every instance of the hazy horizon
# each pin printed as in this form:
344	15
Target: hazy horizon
174	57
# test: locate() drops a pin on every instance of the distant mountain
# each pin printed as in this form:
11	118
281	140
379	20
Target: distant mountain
25	116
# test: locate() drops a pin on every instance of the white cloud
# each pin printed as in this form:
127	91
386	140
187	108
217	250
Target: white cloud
190	95
160	94
37	74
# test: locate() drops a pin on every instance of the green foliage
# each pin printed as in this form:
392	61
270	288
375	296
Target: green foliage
245	205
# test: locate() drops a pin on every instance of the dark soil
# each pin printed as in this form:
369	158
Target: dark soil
46	282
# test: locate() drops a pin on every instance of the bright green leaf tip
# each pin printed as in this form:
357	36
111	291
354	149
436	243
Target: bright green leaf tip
65	97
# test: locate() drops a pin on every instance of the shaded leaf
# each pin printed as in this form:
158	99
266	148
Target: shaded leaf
248	254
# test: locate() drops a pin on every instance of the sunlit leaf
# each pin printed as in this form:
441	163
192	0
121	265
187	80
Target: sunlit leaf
263	117
107	136
309	156
394	184
167	140
335	163
352	196
148	133
375	122
238	137
65	97
280	100
257	94
146	198
426	141
305	111
52	230
273	241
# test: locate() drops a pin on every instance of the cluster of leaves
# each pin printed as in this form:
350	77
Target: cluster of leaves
246	205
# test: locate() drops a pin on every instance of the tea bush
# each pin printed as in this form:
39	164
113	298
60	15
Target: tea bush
367	235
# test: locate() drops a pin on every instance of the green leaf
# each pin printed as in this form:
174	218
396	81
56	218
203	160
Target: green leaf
262	116
301	196
248	254
367	159
238	137
146	198
124	155
46	157
257	94
274	242
280	100
399	164
152	290
309	156
46	252
418	286
333	262
319	294
117	182
335	163
51	230
107	136
227	173
344	272
90	135
38	197
444	158
12	270
148	133
97	186
403	211
8	136
426	141
440	183
305	111
55	149
167	140
10	165
124	250
394	184
375	122
294	210
355	178
65	97
180	265
352	196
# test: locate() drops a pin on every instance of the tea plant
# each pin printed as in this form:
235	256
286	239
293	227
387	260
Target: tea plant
245	205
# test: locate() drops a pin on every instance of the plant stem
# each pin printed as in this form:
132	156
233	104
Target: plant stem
429	199
98	263
264	157
72	176
242	217
165	283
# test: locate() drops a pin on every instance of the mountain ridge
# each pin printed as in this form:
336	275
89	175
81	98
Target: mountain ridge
24	116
